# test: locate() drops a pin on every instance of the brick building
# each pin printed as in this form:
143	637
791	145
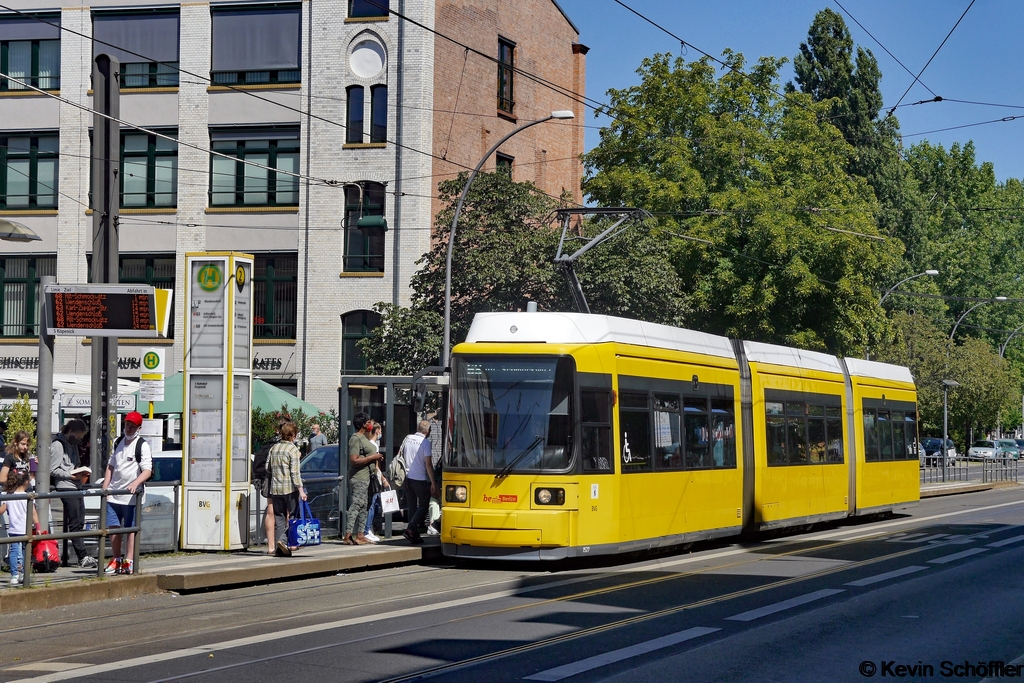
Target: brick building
330	110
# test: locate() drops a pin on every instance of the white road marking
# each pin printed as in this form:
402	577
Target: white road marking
958	556
856	534
590	663
905	538
886	576
784	605
1006	541
926	539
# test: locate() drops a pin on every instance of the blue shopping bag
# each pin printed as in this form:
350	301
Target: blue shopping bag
305	529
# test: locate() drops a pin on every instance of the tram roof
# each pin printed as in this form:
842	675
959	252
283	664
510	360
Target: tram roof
787	356
581	328
859	367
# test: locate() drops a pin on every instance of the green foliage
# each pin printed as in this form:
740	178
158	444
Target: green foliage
263	424
406	341
738	174
19	417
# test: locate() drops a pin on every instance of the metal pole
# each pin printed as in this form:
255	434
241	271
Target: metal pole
945	426
44	407
106	144
446	349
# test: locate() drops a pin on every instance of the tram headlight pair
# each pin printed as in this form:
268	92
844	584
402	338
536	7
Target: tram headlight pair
549	496
455	494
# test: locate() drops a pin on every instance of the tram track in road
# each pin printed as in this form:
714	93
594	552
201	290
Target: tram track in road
452	667
881	531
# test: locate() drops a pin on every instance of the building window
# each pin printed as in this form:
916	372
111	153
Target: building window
261	183
20	291
28	172
506	66
275	284
379	113
363	252
504	163
30	51
361	9
355	326
146	44
354	115
256	46
157	271
149	171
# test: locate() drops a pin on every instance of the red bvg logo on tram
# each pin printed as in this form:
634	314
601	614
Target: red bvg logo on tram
502	498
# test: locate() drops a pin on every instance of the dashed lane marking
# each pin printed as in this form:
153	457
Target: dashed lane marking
958	556
886	576
597	661
785	604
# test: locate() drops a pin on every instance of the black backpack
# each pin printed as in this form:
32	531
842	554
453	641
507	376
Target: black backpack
259	461
138	447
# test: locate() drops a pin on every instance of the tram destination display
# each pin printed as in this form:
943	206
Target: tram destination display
101	311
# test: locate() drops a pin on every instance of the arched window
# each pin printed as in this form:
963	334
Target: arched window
354	115
363	252
355	326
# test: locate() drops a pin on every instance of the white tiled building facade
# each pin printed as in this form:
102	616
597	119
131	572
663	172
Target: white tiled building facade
333	90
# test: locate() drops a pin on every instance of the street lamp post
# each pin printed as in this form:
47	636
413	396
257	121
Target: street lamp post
980	303
561	114
947	384
930	271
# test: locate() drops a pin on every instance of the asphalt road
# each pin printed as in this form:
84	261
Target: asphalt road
939	585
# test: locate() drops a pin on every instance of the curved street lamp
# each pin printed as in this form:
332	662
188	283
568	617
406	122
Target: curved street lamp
930	271
560	114
980	303
1002	347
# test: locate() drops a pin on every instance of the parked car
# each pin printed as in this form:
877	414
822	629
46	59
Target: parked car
323	497
1008	449
982	450
1020	445
933	447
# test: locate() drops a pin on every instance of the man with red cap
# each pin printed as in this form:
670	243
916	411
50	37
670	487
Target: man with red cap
130	465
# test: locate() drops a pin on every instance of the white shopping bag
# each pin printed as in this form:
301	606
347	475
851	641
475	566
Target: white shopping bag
389	501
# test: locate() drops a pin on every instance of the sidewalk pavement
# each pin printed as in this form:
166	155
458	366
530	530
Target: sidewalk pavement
204	570
948	488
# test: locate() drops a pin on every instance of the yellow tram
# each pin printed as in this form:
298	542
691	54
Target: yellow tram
576	434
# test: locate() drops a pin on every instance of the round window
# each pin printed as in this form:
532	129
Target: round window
367	59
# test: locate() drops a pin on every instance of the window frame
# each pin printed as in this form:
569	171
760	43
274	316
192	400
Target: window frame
151	155
33	78
239	155
911	445
270	280
797	413
33	156
605	397
378	107
367	326
256	77
155	78
366	261
378	15
355	116
32	293
506	76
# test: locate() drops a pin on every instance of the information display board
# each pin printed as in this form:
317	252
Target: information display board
101	310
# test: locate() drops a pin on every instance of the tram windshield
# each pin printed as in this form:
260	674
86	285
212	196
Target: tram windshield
512	413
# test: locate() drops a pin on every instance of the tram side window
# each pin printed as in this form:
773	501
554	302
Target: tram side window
668	446
834	432
870	436
596	417
899	438
910	424
695	417
883	428
775	424
634	423
816	439
723	433
796	433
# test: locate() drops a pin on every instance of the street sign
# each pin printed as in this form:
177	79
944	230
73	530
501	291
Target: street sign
106	310
151	390
152	362
83	402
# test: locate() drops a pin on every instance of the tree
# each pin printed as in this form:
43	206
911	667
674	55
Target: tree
21	417
774	240
407	340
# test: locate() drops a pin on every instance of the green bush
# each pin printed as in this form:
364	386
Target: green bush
19	416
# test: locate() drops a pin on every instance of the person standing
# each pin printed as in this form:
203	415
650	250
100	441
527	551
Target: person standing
419	482
64	460
285	489
362	463
318	439
130	465
17	511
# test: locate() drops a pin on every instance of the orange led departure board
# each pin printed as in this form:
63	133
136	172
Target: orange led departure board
101	311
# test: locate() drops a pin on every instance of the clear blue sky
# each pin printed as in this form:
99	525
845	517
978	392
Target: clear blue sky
980	62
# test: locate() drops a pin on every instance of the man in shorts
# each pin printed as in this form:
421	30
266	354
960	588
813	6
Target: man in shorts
131	464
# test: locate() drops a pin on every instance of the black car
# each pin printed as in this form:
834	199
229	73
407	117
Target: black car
932	447
322	496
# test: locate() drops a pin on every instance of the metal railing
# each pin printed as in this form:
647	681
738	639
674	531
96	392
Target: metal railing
101	533
999	469
934	470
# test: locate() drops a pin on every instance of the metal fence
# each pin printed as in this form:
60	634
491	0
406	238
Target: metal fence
934	470
999	469
100	533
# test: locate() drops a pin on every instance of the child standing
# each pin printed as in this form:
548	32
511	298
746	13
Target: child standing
17	512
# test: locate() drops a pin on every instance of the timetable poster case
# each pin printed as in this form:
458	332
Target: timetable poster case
206	429
240	417
208	306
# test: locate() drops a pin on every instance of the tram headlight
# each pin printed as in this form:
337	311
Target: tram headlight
455	494
549	496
